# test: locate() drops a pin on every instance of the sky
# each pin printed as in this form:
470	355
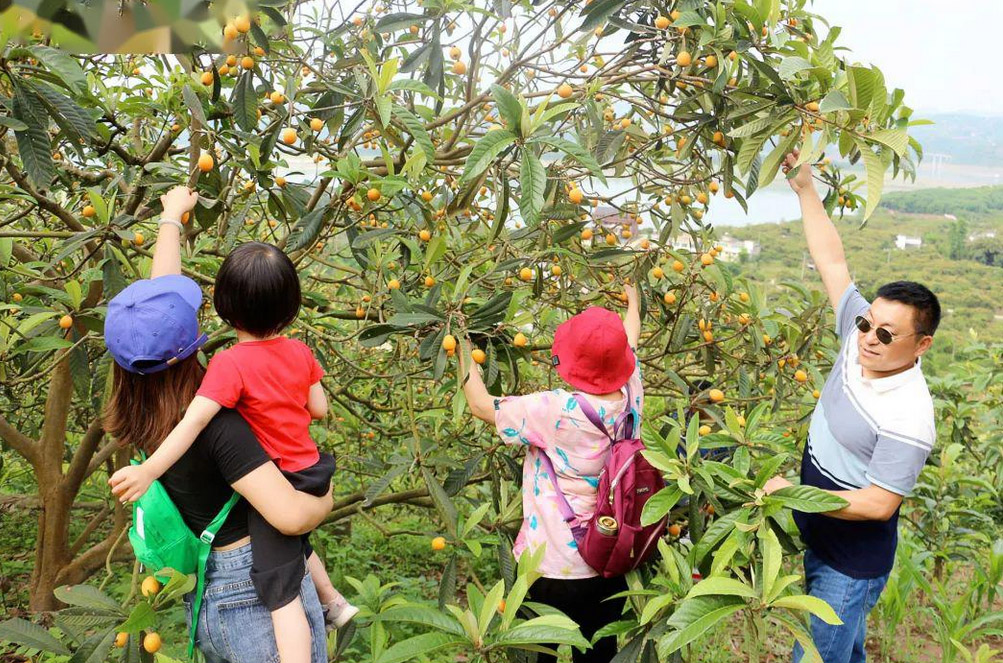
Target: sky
942	54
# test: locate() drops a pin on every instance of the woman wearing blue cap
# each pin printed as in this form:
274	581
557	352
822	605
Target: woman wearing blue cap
152	332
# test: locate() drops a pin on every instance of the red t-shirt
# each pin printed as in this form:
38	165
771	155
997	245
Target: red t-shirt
268	382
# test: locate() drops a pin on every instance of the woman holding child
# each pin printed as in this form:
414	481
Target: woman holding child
165	404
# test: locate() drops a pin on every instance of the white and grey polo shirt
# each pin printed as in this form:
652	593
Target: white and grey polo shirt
863	431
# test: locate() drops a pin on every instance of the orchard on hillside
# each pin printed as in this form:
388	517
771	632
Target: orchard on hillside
482	170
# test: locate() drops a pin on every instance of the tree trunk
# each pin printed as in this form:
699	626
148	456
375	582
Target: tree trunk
51	548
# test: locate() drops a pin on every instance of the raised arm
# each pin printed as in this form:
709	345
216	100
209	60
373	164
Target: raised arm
480	402
288	510
167	252
632	320
823	241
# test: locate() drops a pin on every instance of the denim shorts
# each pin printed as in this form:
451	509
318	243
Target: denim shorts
234	625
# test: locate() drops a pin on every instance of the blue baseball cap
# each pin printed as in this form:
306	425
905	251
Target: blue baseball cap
153	323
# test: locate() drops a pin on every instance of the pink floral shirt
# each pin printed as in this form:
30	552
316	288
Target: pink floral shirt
551	422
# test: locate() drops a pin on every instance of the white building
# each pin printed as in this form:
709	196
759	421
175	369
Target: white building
733	248
903	242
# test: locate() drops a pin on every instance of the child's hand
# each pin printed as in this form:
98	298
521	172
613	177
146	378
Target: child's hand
179	200
801	182
129	483
631	292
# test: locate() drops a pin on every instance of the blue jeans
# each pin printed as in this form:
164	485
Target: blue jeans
234	625
851	598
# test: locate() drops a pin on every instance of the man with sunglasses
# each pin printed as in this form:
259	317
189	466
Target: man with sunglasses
869	437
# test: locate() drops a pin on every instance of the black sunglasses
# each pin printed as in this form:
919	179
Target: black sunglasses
885	336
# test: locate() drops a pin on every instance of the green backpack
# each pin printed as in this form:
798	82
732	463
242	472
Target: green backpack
162	540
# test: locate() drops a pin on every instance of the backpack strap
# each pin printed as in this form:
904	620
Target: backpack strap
623	427
577	531
205	547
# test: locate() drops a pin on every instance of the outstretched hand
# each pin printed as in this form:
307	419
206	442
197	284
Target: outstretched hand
802	181
631	293
179	199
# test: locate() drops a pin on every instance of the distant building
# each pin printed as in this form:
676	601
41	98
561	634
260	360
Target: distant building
903	242
684	242
614	221
733	248
984	234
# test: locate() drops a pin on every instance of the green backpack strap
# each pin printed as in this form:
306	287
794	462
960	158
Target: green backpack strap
205	547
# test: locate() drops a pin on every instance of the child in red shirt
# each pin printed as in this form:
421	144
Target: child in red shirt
274	383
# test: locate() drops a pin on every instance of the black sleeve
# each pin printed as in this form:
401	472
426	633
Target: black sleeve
233	446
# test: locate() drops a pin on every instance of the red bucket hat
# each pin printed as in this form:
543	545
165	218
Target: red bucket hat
591	351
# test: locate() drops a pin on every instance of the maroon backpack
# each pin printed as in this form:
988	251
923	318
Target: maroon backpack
613	541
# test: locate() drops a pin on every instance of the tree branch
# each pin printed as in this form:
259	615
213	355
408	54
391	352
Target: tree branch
82	458
19	442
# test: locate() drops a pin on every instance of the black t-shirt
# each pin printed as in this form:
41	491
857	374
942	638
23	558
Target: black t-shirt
200	482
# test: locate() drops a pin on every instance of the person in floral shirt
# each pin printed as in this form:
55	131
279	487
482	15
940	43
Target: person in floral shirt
594	352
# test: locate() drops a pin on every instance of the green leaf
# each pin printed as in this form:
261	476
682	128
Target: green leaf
306	230
194	104
399	21
720	528
447	584
551	629
41	344
791	66
660	504
720	586
417	129
771	164
811	654
772	558
409	85
576	152
77	123
12	123
694	618
750	149
141	618
485	151
424	615
509	107
753	127
812	604
95	649
24	633
655	605
33	145
63	65
415	59
834	101
597	12
490	607
413	319
419	647
862	85
533	179
897	139
807	499
443	504
244	103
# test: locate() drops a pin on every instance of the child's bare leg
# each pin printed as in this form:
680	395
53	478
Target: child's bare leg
337	610
292	632
325	589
